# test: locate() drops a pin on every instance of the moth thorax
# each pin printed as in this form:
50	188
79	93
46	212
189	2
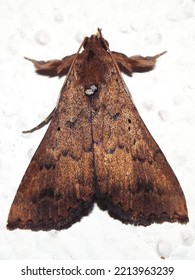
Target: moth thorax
91	90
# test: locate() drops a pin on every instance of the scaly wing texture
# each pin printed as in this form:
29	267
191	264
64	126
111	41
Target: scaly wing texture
57	187
134	179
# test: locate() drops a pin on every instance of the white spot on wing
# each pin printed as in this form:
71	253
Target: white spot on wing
91	90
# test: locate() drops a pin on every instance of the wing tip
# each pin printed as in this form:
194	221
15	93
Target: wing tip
29	225
55	223
143	220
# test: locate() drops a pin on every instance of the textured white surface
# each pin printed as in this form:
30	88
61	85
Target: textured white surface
165	98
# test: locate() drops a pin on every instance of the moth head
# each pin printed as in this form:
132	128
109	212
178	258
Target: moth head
96	39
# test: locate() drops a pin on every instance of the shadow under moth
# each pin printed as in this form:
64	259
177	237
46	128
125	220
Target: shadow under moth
96	148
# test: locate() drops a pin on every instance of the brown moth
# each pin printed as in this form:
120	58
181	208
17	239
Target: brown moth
96	148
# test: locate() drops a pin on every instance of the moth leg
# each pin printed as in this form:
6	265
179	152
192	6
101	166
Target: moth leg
43	123
136	63
53	67
140	63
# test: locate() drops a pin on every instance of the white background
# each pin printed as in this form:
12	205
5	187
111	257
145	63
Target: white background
165	98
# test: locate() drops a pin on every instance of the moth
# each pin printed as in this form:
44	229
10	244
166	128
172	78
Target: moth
96	148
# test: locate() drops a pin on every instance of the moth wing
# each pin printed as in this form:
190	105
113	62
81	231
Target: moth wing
134	180
57	187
